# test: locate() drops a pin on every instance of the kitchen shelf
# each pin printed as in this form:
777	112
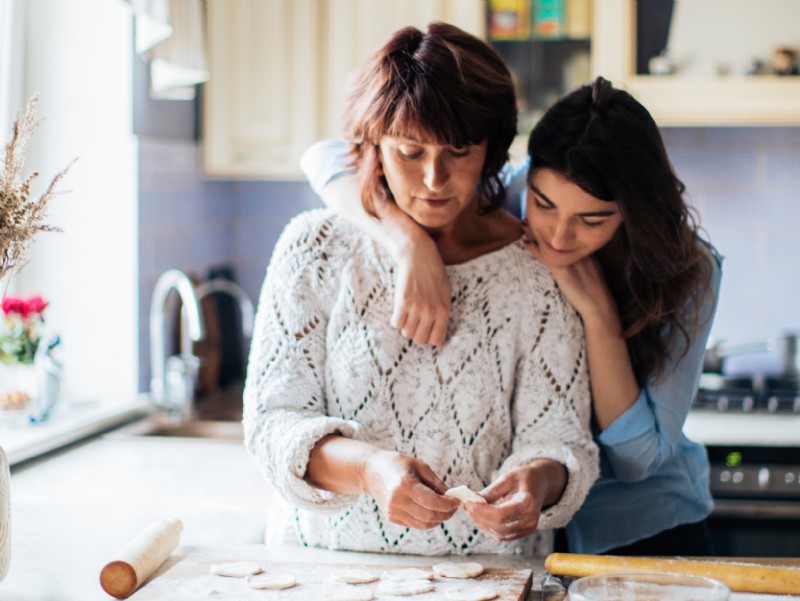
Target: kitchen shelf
759	100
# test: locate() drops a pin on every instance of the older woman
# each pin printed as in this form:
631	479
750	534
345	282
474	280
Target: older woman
361	429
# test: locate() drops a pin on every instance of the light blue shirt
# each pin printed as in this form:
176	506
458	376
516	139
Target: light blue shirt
652	478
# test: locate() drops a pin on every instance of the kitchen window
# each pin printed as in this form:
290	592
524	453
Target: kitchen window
79	60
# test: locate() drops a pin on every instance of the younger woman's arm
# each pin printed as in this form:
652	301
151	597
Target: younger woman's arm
422	290
642	438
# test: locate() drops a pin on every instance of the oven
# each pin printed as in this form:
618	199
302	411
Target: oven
751	429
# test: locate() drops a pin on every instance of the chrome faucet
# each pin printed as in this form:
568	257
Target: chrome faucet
246	307
172	381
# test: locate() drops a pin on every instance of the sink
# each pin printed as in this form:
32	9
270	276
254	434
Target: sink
160	426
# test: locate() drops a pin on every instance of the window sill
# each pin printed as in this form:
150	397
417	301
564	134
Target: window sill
23	441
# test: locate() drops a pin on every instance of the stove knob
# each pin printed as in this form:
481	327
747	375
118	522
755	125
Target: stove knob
724	476
738	477
796	404
722	402
789	477
772	404
763	478
748	403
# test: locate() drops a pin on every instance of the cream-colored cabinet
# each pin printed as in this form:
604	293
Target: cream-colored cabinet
278	68
681	99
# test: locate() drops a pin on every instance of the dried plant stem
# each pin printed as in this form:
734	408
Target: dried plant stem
21	215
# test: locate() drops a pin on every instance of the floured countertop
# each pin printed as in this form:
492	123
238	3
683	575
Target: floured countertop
190	578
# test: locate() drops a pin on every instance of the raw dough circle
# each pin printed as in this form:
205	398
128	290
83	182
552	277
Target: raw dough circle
464	494
236	569
356	576
350	594
458	570
403	588
271	581
408	574
481	593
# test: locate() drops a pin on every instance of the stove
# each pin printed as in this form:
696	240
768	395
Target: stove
750	426
748	394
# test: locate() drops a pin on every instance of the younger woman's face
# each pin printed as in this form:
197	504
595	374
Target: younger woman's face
568	223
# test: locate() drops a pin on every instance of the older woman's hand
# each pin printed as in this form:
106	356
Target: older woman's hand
515	500
407	491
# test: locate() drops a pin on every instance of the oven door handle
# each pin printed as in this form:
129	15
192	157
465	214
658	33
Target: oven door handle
747	508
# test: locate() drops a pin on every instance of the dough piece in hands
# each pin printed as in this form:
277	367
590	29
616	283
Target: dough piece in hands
408	574
270	581
478	593
458	570
356	576
350	593
403	588
236	569
464	494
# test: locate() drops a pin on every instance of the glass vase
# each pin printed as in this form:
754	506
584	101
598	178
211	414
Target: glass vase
18	386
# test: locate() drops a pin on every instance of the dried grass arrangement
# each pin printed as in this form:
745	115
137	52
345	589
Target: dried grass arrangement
21	215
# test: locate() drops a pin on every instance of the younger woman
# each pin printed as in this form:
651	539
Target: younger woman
607	217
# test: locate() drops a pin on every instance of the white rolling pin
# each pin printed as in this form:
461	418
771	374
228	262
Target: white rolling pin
140	558
741	575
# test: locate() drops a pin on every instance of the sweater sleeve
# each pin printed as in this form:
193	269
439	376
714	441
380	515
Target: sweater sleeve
285	409
640	440
552	408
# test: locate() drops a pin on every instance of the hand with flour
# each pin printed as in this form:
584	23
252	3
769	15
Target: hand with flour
516	499
407	490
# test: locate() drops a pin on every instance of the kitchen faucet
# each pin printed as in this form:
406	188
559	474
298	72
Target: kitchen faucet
172	380
246	307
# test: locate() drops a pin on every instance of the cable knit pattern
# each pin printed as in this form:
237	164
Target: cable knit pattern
510	384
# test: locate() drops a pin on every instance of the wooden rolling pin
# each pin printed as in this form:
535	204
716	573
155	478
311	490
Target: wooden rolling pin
139	558
739	576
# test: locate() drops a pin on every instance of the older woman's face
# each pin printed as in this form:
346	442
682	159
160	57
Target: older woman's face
432	183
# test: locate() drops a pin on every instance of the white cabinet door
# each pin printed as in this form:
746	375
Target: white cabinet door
278	68
258	112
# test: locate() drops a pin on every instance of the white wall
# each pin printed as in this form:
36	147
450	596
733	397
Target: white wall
78	56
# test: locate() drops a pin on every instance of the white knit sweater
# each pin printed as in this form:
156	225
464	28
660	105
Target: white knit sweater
509	385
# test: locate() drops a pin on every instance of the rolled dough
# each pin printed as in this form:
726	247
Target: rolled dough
405	587
408	574
356	576
458	570
464	494
271	581
236	569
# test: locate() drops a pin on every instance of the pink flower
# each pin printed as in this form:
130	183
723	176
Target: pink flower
24	307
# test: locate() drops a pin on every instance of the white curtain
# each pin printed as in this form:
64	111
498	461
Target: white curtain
170	34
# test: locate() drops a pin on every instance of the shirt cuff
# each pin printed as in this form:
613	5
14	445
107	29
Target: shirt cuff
635	422
325	161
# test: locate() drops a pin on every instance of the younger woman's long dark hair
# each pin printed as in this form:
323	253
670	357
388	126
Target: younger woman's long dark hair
605	141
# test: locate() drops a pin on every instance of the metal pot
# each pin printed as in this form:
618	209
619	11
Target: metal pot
715	355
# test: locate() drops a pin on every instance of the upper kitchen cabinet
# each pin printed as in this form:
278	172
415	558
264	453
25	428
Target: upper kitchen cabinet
278	69
720	60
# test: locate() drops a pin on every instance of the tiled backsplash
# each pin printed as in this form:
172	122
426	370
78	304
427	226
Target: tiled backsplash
745	183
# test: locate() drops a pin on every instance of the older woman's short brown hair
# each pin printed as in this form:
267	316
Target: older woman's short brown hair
442	86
